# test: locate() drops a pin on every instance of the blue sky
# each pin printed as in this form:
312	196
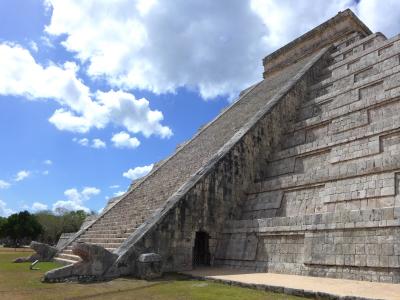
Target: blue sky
93	94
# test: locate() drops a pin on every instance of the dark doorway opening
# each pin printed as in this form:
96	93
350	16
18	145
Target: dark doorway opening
201	252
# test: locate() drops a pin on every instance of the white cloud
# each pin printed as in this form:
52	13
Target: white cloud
4	210
380	17
33	46
82	142
37	206
45	172
301	16
138	172
81	110
133	114
286	19
48	162
75	199
97	143
66	120
119	193
213	46
88	192
21	175
115	186
4	184
124	140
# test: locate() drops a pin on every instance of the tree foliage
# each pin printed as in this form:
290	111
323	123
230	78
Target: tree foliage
2	222
56	224
44	226
20	227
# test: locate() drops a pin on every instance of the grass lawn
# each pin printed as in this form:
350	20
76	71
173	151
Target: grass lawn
18	282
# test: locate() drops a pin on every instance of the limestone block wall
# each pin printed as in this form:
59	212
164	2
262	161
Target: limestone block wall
328	203
214	197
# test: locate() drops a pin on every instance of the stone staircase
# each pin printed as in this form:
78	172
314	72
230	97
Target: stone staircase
299	176
146	197
109	232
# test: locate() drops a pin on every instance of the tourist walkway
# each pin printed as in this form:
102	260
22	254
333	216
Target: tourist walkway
302	285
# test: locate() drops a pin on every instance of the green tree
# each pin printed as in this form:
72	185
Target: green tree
2	222
52	227
73	220
21	226
54	224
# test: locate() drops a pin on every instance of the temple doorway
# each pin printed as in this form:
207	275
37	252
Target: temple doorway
201	252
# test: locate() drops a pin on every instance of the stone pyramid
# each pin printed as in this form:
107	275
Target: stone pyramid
300	175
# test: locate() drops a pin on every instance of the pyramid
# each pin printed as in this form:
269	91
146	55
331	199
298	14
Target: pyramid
300	175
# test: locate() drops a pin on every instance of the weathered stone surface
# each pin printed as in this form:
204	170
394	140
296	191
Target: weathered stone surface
95	262
299	176
149	266
64	238
43	253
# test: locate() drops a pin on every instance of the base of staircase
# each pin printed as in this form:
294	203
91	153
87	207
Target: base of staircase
64	261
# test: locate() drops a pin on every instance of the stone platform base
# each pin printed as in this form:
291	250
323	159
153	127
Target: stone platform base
314	287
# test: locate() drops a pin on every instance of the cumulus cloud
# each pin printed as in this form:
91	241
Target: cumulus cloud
300	16
4	184
75	199
4	210
88	192
124	140
21	175
115	186
95	143
98	144
48	162
37	206
82	142
213	46
138	172
133	114
81	110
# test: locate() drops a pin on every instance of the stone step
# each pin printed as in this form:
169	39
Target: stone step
112	223
110	229
126	215
113	229
63	261
108	246
67	251
105	232
101	240
68	256
130	208
101	235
